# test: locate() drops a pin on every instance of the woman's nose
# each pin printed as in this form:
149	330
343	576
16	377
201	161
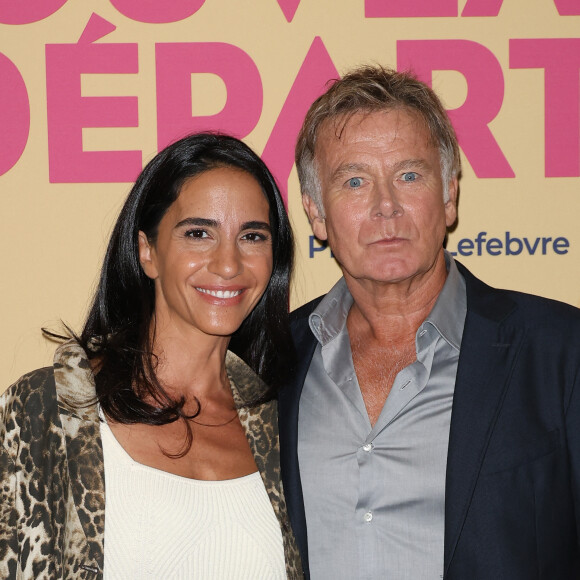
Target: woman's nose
226	260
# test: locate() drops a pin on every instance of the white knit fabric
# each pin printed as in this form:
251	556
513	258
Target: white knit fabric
163	526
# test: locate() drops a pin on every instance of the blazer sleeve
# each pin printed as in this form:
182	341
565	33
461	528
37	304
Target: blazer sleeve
31	496
573	437
10	442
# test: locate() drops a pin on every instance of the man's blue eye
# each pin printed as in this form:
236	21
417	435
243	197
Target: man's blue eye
355	182
409	176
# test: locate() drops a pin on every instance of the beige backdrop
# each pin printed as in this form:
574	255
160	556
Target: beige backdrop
53	233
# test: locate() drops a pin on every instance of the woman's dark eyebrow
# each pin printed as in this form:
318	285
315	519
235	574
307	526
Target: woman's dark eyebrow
207	223
255	225
197	221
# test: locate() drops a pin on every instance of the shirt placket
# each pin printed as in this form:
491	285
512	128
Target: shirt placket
408	384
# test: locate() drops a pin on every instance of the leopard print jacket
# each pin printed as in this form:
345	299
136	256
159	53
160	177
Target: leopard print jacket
52	494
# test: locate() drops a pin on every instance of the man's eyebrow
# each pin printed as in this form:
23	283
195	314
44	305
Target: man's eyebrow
348	168
197	221
412	164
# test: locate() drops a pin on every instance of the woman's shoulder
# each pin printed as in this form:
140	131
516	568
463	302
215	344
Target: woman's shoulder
75	380
31	391
28	410
39	391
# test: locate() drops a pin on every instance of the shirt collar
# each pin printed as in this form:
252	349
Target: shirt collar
447	316
329	317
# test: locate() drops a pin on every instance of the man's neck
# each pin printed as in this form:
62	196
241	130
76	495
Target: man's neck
391	312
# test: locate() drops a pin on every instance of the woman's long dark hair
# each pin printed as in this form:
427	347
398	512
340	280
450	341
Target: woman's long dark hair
117	332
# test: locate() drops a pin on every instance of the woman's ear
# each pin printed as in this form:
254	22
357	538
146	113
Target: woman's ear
147	257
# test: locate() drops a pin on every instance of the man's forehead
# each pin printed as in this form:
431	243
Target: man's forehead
345	128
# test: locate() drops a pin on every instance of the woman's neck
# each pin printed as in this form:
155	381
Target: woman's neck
190	365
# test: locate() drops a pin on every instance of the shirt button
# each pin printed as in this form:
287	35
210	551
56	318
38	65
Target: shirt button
368	447
368	517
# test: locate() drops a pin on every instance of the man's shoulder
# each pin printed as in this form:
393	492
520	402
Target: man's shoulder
537	309
525	308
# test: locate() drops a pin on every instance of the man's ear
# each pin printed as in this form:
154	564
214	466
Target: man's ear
147	257
317	222
451	203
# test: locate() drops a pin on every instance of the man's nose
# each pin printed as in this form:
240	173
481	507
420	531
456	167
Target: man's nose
386	203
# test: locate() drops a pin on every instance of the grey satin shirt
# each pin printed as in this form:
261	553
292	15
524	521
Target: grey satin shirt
375	497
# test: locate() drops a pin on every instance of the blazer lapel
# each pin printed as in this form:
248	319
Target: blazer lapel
260	424
289	397
489	349
288	409
76	396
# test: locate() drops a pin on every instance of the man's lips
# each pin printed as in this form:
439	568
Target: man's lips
389	240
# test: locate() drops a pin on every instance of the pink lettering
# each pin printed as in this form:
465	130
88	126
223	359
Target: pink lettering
434	8
68	112
310	83
15	12
567	7
176	62
14	115
158	11
410	8
560	59
484	98
289	8
482	8
96	28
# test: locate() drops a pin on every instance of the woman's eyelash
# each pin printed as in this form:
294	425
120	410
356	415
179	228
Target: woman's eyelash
195	233
249	236
255	236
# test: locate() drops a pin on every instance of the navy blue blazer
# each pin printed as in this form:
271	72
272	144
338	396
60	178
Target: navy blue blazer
512	498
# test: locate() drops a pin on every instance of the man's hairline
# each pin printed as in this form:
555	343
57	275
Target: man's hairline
347	115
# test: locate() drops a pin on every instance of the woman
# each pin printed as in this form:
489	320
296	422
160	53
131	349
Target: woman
149	404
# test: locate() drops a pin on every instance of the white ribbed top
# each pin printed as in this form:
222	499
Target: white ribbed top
162	526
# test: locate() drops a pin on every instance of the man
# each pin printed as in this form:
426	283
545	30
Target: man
433	427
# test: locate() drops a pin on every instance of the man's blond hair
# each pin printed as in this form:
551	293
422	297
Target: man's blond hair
370	89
